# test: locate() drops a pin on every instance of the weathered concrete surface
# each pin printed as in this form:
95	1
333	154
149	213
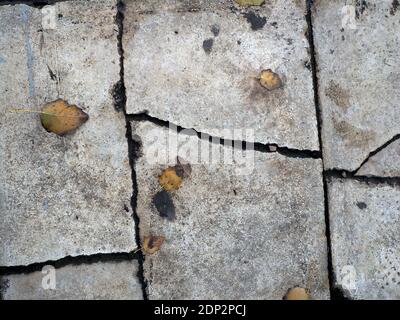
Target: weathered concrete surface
239	233
359	77
100	280
365	236
69	195
196	64
386	163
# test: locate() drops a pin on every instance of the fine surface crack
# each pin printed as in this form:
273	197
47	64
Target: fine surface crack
120	104
377	150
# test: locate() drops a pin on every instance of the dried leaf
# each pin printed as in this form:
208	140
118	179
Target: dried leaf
169	179
270	80
183	168
249	2
164	204
60	118
297	293
151	244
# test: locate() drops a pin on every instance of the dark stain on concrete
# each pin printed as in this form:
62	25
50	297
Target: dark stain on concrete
353	136
256	22
395	6
361	6
340	96
361	205
215	30
207	45
164	205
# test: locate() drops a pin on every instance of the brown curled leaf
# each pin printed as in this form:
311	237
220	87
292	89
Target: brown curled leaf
151	244
169	179
249	2
60	117
270	80
297	293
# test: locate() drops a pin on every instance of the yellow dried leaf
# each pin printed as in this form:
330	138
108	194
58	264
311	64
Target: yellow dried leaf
60	118
297	293
270	79
151	244
169	179
249	2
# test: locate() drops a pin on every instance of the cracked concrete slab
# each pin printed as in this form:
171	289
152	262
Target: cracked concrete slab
356	45
62	196
385	163
365	229
115	280
176	51
250	227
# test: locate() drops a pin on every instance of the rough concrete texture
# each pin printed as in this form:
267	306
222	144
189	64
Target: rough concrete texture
100	280
358	78
197	63
365	236
68	195
385	163
238	234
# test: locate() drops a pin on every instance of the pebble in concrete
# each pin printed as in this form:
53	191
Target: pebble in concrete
98	281
385	163
357	56
178	68
365	236
62	196
249	227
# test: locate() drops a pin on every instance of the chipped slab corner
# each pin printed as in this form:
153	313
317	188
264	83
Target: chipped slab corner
175	52
365	237
358	78
251	227
111	280
70	195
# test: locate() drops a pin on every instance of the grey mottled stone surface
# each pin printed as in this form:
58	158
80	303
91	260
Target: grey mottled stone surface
250	227
386	163
98	281
69	195
359	77
365	236
196	64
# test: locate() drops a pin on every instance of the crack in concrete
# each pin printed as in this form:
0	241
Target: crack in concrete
371	180
335	292
376	151
120	104
69	260
239	144
38	4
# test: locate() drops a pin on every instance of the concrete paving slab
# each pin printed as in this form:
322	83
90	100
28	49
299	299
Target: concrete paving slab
61	196
198	63
385	163
96	281
250	227
365	236
357	45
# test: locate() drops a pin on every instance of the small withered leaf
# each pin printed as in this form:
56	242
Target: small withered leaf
270	80
249	2
151	244
164	204
169	179
60	117
297	293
